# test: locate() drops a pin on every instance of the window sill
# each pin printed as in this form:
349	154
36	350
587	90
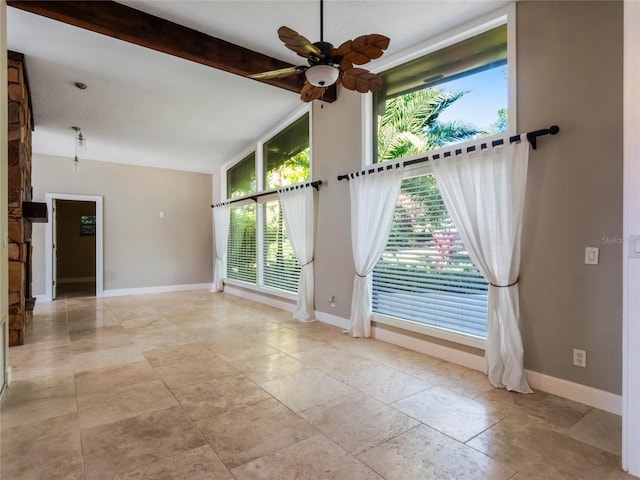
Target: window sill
263	290
450	336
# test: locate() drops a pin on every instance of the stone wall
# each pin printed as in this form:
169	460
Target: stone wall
19	191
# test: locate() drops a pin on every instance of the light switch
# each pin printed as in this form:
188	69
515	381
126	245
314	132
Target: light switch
161	214
591	255
634	246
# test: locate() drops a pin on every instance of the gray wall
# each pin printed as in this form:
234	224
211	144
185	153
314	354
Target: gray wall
570	73
140	248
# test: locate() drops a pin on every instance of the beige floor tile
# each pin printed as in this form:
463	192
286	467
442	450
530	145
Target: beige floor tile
115	404
455	415
96	334
423	453
341	365
16	411
250	432
528	445
106	358
42	384
147	324
306	389
204	400
95	343
316	458
198	370
109	378
386	384
357	422
181	353
458	379
599	429
559	412
25	357
618	474
242	352
131	444
43	450
269	367
198	464
166	338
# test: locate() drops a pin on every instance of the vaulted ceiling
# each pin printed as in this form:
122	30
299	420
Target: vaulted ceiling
146	107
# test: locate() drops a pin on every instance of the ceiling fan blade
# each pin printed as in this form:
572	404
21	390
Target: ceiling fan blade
361	50
283	72
311	92
299	44
361	80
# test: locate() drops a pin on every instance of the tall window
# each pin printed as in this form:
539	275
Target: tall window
451	95
425	274
259	252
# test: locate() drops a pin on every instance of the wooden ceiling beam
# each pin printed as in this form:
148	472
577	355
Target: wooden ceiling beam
134	26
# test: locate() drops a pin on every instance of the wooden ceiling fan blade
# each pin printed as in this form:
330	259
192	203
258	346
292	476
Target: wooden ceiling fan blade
361	80
361	50
299	44
311	92
281	73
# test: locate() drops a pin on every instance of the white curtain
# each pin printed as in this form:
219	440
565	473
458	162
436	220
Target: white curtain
373	203
299	222
484	194
221	216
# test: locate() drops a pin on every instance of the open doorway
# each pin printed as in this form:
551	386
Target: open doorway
79	242
75	248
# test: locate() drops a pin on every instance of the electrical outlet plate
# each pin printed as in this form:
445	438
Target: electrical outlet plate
579	358
591	255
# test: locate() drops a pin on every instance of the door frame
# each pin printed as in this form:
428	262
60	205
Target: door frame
49	240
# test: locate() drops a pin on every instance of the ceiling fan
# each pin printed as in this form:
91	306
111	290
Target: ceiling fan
328	65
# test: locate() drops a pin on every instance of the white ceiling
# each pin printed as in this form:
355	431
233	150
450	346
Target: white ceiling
148	108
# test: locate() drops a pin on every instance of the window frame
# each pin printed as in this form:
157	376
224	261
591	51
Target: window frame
257	147
505	15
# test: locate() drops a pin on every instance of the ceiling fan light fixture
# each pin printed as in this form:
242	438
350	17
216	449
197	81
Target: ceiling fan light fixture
322	75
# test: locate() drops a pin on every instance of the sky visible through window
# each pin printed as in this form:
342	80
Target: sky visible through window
487	94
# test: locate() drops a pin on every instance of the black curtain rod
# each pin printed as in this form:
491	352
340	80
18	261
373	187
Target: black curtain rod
255	196
532	137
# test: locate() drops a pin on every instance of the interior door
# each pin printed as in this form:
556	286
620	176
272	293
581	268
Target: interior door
54	253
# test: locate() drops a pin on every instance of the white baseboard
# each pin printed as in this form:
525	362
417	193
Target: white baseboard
41	298
343	323
76	280
607	401
257	297
119	292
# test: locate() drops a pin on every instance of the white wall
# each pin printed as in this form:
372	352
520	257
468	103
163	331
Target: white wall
631	307
141	249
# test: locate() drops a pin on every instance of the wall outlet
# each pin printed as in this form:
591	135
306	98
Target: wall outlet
591	255
579	358
332	301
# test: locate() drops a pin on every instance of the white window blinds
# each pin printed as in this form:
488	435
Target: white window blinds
425	274
241	247
280	267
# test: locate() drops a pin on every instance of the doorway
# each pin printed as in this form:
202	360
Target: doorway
74	246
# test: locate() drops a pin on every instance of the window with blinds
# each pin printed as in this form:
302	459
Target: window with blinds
425	274
280	269
241	247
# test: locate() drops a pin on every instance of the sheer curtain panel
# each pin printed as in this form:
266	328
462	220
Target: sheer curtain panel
221	217
299	222
484	194
373	203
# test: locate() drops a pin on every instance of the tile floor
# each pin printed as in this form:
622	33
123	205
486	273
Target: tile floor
195	385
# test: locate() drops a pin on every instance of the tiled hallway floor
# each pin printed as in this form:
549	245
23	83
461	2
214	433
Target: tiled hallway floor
195	385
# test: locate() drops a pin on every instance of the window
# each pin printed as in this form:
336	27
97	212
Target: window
425	274
88	225
241	178
241	247
286	155
451	95
281	270
258	251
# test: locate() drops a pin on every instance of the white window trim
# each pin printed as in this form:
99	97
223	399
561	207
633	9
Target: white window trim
257	147
505	15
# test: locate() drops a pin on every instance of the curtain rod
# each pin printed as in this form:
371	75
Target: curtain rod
255	196
532	137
